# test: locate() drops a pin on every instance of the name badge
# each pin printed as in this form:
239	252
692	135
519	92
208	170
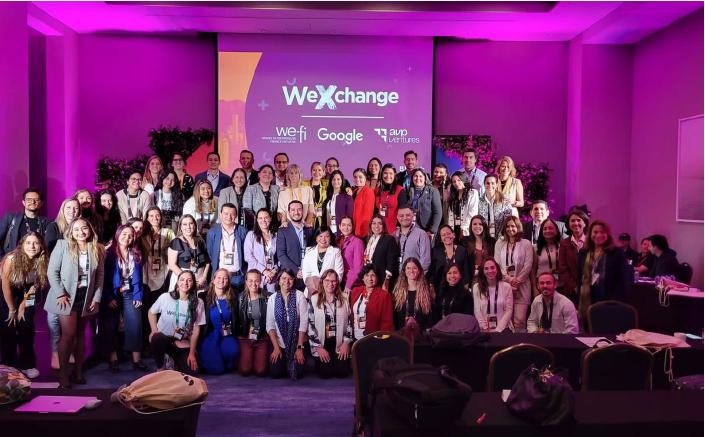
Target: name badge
383	211
456	221
125	287
303	252
226	329
319	212
366	260
179	333
254	333
511	269
229	259
361	322
82	278
157	264
193	266
492	322
401	261
595	278
29	300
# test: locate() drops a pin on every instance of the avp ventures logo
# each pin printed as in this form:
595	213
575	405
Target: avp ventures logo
287	135
396	136
330	96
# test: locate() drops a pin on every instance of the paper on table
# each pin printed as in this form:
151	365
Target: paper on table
590	341
505	395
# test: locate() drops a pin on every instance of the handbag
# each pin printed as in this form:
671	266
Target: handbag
424	396
162	391
456	330
542	397
14	385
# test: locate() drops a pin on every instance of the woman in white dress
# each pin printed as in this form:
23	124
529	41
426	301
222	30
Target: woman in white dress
511	187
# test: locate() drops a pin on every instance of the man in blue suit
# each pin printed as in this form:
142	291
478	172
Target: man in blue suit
292	241
224	246
217	178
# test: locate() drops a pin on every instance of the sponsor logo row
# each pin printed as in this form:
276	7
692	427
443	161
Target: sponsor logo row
300	135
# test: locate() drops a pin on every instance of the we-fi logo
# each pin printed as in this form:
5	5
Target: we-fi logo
348	138
292	132
330	96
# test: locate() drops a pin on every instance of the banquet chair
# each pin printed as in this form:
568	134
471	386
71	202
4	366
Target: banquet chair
365	354
611	317
506	365
618	366
684	273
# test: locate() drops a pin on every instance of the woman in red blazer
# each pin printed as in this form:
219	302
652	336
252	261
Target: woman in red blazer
371	306
364	204
386	198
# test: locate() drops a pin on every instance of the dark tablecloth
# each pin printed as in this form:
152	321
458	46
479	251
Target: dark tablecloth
683	314
603	414
471	365
108	420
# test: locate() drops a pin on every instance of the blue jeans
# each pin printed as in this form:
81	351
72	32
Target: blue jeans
110	323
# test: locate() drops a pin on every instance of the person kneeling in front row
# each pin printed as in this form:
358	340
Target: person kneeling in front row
551	311
179	326
330	331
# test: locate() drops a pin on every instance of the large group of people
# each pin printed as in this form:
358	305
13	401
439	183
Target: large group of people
270	272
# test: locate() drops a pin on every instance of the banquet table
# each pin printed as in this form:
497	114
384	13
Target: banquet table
684	312
108	420
597	413
471	364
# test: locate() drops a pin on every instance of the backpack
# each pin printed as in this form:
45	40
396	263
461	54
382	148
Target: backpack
161	391
542	396
424	396
456	330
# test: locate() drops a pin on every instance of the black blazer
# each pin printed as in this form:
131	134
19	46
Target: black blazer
386	257
439	265
242	329
618	275
10	230
254	177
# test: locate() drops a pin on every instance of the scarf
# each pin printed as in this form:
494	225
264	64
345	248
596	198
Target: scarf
592	265
288	330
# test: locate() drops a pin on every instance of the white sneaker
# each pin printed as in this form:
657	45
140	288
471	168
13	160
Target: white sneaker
31	373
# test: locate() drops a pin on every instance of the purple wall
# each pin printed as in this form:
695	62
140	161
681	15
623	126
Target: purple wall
131	84
514	91
14	104
601	162
668	85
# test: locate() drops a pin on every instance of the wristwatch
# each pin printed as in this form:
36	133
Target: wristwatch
300	346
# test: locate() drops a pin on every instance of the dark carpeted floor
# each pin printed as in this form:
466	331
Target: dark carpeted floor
238	406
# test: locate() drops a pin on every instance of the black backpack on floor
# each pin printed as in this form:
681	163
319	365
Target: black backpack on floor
424	396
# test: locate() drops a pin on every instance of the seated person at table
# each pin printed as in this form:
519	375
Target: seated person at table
645	263
371	305
665	262
219	350
329	329
551	312
452	296
412	298
493	299
624	242
179	326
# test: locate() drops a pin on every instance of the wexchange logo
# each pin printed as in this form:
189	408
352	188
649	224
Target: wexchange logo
330	96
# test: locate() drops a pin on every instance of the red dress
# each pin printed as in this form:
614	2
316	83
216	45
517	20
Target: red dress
389	204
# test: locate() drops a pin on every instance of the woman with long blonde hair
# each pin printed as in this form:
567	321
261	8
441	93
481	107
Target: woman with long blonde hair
510	186
296	190
203	207
153	173
75	275
413	297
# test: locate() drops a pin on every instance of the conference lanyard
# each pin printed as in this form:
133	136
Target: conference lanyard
489	304
220	311
159	245
472	181
330	326
550	260
509	256
364	297
222	241
406	238
188	316
126	266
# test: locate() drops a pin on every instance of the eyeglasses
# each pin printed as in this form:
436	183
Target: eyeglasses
136	179
281	162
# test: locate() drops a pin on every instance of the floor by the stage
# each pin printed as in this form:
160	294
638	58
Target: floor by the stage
243	406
